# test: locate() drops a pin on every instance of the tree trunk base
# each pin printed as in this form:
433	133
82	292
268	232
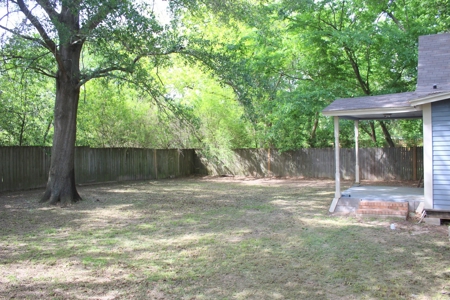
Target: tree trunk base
59	197
62	199
61	191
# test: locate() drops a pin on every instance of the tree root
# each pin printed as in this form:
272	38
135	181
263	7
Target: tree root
58	197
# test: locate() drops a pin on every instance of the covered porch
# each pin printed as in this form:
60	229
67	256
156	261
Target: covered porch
383	107
431	102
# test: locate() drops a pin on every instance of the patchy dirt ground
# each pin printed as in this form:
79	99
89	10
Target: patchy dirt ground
214	238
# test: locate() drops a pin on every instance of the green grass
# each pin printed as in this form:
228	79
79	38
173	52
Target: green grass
197	239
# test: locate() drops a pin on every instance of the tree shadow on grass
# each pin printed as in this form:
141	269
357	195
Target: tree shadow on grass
186	239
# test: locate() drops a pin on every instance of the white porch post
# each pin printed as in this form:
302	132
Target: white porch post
427	156
356	152
337	194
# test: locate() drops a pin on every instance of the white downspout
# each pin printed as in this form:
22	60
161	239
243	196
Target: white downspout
337	194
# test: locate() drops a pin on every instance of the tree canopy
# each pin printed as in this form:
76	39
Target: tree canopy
74	42
215	75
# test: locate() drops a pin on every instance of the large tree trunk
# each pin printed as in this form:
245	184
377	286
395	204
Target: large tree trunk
312	135
387	135
61	178
373	134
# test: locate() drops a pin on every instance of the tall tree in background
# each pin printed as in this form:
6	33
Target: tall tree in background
119	33
372	45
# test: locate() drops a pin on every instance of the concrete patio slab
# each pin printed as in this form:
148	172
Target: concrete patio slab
349	202
388	193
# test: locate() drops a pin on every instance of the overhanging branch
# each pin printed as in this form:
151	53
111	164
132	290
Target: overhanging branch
48	42
31	63
26	37
99	73
106	71
47	6
41	71
396	21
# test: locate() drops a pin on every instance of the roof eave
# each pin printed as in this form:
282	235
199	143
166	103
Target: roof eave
369	111
430	98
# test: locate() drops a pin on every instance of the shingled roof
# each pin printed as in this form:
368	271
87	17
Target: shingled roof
433	83
434	63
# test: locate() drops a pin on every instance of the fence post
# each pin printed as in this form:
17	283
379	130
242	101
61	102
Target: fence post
268	162
156	164
178	162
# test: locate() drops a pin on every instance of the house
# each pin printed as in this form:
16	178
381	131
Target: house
430	101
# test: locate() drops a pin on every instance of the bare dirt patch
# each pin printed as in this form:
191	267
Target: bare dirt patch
214	238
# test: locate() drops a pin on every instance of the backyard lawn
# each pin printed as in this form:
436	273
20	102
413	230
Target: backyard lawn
214	238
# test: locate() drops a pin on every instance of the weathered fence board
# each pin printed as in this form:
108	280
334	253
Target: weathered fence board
375	163
27	167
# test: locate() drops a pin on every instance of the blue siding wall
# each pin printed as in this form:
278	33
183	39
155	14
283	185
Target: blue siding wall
440	114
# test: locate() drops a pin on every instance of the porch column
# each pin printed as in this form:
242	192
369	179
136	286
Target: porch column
356	152
337	194
428	156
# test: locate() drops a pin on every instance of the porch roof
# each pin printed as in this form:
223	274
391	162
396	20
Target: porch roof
374	107
391	106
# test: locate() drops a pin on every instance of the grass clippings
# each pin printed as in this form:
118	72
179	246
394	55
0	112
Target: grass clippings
214	239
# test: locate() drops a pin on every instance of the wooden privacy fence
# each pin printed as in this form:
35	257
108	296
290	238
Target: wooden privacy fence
374	163
27	167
